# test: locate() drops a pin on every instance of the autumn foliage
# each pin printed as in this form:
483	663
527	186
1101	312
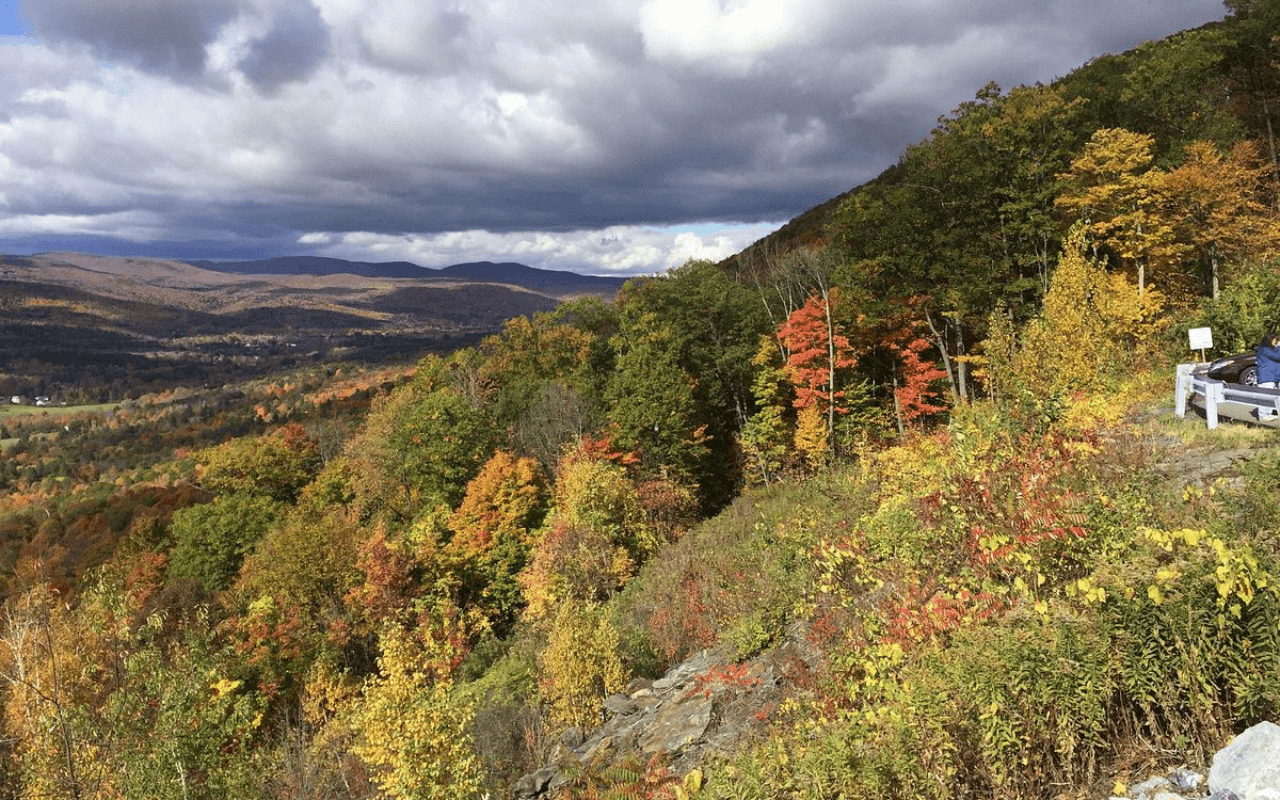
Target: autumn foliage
887	453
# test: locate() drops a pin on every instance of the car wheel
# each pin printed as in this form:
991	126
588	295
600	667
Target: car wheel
1249	377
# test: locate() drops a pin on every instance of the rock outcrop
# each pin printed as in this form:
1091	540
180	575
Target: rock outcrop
707	705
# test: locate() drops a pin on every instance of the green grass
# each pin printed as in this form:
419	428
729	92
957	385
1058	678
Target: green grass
11	410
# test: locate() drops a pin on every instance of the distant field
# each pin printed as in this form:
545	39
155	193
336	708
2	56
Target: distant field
13	410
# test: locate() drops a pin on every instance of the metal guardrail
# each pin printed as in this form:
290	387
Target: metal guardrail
1258	404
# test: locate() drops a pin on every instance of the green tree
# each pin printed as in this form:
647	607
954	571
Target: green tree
966	220
187	727
1247	309
530	353
1174	90
652	404
710	325
420	445
211	540
277	465
307	560
1253	62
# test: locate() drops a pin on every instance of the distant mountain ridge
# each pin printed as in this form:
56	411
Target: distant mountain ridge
75	322
314	265
540	280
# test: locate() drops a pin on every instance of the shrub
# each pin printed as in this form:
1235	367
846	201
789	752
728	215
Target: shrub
580	666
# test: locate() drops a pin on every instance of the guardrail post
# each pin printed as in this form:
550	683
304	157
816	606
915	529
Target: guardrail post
1212	396
1184	389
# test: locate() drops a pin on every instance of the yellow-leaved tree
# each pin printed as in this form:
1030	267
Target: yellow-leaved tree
414	732
1115	194
596	535
48	670
1217	205
493	533
580	665
1092	323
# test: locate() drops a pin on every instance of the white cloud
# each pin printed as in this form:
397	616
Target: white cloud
725	34
132	226
410	124
617	250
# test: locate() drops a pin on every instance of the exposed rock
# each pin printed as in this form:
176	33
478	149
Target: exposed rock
1185	780
571	737
706	705
534	784
1246	769
619	705
677	726
1151	786
1250	765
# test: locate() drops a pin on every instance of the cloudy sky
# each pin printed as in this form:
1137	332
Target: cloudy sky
609	136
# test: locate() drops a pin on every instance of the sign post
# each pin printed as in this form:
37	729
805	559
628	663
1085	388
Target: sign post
1201	339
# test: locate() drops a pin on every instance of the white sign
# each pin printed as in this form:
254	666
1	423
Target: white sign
1201	338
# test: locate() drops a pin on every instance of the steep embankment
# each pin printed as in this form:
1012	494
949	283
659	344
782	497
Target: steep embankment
949	578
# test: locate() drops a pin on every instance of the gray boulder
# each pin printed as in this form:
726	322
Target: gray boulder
1249	767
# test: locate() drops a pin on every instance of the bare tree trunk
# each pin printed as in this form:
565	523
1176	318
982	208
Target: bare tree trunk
897	409
831	367
1271	142
1271	136
940	339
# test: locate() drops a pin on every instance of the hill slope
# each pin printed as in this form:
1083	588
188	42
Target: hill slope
554	282
80	324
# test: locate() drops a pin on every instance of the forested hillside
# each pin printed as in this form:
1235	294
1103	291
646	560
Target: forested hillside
918	431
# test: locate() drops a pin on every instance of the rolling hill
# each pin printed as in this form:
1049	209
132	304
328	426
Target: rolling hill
554	282
97	327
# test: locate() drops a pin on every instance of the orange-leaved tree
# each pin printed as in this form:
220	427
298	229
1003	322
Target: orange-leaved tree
818	353
493	531
917	394
1217	206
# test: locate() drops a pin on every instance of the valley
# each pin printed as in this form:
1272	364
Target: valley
80	328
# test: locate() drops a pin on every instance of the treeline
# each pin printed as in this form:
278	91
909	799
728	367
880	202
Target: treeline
414	605
1166	155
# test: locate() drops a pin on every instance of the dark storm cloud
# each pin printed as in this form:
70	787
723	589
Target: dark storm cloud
163	36
410	127
296	44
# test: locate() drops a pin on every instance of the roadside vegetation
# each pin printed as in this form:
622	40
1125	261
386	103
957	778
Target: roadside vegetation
929	444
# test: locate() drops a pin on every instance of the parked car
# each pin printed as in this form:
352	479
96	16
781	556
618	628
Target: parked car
1241	368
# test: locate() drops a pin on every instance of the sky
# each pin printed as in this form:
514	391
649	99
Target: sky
617	137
